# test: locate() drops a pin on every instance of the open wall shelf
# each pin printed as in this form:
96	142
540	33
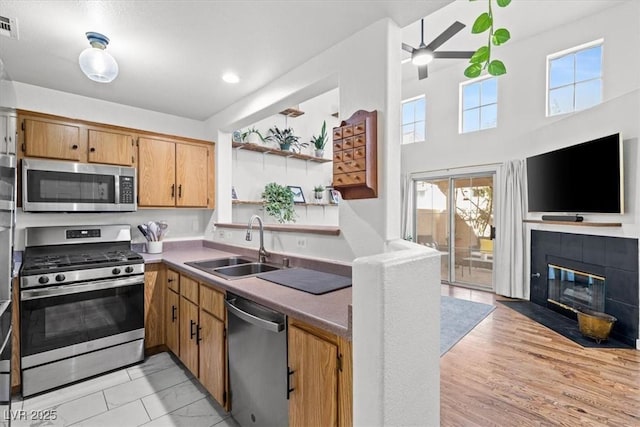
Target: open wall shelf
259	202
291	228
274	151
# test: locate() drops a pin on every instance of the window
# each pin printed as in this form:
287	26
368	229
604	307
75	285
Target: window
479	105
574	80
413	120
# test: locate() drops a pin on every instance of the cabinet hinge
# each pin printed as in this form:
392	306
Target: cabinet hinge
22	125
340	362
132	160
23	147
224	333
224	398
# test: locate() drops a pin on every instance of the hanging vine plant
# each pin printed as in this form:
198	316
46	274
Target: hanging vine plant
481	58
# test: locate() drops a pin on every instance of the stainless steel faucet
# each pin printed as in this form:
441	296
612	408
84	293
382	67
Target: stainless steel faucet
262	253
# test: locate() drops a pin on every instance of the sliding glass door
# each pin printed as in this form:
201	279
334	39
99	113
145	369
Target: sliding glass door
455	216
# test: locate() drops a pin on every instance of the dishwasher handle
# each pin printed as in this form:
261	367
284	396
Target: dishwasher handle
254	320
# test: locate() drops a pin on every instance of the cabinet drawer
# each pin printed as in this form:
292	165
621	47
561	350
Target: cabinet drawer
347	131
173	281
347	143
337	146
354	178
347	155
359	128
359	141
337	133
349	167
189	289
212	301
337	156
359	153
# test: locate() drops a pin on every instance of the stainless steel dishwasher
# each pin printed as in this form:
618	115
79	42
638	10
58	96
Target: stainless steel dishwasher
257	364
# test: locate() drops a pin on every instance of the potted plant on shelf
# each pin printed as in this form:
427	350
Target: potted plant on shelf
252	136
320	141
286	139
318	193
278	202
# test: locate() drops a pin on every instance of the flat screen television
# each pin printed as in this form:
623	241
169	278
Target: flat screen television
582	178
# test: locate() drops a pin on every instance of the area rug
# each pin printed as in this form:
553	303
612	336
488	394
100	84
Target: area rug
457	318
566	327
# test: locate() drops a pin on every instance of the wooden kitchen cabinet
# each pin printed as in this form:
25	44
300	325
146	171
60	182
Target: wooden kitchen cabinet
172	312
111	148
154	305
53	140
320	376
174	173
202	334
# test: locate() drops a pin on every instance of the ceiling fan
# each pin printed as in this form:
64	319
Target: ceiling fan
424	54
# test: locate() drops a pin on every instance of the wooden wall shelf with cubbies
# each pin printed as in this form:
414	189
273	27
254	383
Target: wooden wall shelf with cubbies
355	148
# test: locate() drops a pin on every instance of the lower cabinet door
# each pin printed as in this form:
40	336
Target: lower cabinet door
172	321
313	360
188	331
212	360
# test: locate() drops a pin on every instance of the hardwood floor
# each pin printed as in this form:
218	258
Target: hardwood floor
512	371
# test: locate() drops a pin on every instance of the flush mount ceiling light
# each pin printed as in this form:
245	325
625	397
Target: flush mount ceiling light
231	78
95	62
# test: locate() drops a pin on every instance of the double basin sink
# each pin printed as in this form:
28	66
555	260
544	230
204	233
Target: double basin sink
233	267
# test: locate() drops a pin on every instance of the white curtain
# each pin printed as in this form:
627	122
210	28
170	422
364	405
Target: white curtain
407	208
510	232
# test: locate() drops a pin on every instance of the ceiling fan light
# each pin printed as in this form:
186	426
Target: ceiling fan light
95	62
421	57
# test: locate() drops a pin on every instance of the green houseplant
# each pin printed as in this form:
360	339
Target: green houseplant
278	202
285	138
320	141
318	193
252	136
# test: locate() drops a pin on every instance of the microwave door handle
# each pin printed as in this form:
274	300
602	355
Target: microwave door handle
79	288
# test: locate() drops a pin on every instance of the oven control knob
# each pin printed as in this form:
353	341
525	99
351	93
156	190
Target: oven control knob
128	269
115	271
43	279
60	277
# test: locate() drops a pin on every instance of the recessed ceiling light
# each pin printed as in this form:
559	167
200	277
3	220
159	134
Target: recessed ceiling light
231	78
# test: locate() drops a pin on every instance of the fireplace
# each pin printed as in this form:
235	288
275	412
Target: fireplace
570	271
575	290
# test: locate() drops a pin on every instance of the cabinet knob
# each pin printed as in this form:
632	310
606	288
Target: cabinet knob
173	314
92	149
74	147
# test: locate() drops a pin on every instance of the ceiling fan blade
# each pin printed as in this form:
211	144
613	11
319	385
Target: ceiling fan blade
407	48
446	35
423	73
453	55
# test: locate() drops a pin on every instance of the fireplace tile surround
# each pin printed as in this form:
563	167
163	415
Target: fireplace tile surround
615	258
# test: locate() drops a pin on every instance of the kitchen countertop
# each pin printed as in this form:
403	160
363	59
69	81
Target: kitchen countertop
329	311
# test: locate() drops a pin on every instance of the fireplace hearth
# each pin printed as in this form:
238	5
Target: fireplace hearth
574	271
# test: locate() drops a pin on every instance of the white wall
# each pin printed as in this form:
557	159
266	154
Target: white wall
183	223
523	130
367	69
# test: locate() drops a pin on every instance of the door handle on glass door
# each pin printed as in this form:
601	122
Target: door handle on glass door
535	275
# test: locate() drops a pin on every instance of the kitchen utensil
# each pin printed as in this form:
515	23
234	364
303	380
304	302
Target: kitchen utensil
143	231
153	230
163	226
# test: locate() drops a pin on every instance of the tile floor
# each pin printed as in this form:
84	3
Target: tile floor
158	392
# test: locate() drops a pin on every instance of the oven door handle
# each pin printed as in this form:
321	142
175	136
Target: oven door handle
80	287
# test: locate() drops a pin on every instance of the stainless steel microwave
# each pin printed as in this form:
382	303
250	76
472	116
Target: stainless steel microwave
60	186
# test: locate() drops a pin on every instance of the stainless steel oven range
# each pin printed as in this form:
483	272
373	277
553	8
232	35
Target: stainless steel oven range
81	304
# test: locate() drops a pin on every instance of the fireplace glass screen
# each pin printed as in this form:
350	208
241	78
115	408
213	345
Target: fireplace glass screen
574	289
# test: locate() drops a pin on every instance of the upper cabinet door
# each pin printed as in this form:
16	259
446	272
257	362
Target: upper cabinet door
52	140
191	175
111	148
156	172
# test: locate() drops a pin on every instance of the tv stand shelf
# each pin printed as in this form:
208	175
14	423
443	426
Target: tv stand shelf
580	224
